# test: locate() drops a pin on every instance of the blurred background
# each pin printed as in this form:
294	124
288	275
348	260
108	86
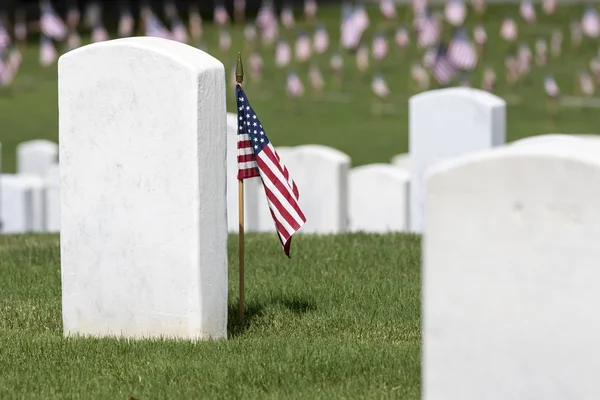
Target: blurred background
327	72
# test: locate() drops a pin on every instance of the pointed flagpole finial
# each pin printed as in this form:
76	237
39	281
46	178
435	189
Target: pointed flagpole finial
239	70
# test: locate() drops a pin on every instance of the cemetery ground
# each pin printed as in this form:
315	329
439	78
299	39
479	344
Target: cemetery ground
341	319
342	117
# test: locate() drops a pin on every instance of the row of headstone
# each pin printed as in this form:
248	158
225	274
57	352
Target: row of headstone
336	199
443	124
30	199
510	272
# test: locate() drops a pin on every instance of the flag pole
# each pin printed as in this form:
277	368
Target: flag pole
239	78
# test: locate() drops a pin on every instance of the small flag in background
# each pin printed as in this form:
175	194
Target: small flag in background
321	39
461	52
287	17
443	69
294	86
303	47
401	37
508	29
455	12
362	58
549	6
591	23
250	33
310	8
47	51
99	33
428	31
527	11
387	8
379	86
480	35
224	39
178	30
257	158
73	40
125	24
221	15
380	47
586	83
576	33
551	87
4	38
283	54
50	23
20	28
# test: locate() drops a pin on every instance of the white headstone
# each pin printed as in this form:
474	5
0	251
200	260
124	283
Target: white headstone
402	160
142	128
37	211
448	123
20	202
544	139
52	199
250	186
36	157
321	174
511	284
378	198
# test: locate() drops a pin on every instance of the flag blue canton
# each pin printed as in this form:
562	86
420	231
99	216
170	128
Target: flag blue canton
250	124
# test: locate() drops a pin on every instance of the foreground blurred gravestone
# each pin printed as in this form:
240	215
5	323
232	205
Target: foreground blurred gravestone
378	198
511	284
36	157
142	133
449	123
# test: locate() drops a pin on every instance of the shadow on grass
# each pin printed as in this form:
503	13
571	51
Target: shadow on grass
237	326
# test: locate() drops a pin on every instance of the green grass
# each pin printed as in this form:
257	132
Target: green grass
29	109
340	320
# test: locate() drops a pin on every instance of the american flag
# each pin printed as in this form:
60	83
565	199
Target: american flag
388	9
287	17
401	37
155	28
461	52
257	158
549	6
591	23
551	87
321	39
126	24
178	30
527	11
310	8
221	15
443	69
479	35
51	24
508	29
455	12
4	38
429	31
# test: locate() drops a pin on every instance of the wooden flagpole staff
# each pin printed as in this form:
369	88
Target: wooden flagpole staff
239	78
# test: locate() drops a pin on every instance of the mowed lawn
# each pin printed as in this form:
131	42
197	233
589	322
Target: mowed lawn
339	320
343	117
